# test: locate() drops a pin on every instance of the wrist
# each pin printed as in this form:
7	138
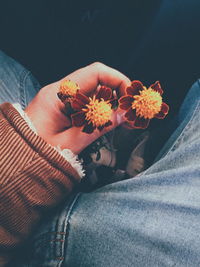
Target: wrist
67	153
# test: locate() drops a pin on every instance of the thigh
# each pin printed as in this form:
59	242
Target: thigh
17	84
151	220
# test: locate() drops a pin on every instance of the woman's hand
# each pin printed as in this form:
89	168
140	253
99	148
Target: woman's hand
46	110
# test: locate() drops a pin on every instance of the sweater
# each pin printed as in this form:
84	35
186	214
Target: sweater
34	177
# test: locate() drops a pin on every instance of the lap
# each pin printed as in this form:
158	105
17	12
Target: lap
151	220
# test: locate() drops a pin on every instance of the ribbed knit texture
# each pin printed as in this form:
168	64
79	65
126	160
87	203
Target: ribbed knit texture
66	153
33	178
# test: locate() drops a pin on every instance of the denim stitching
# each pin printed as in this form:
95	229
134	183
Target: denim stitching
198	81
49	233
23	99
66	229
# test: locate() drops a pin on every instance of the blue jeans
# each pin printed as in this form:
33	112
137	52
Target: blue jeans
17	84
151	220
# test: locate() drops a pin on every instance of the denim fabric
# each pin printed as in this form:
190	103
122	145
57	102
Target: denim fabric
17	84
150	220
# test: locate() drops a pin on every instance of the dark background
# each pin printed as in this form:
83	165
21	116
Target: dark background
148	40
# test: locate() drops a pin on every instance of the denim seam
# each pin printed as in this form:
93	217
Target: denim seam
198	81
66	229
24	76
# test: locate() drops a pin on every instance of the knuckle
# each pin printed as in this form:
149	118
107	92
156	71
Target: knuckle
97	65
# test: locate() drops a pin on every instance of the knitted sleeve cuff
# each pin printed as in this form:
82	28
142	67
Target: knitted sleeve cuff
34	177
66	153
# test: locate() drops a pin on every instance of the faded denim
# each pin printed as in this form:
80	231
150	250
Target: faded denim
151	220
17	84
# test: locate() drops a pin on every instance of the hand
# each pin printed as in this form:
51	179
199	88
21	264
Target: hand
46	110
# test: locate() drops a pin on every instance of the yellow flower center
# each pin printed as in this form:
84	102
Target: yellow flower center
147	104
69	88
98	112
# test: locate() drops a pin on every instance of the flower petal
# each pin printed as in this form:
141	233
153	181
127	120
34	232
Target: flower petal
114	103
100	128
78	119
125	102
135	88
79	101
141	123
157	87
163	112
104	92
164	108
128	125
131	115
107	124
77	105
82	98
61	96
88	128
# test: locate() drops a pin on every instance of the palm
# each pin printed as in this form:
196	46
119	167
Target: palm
47	112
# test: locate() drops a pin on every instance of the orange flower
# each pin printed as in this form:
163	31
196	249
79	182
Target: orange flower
67	90
142	104
93	112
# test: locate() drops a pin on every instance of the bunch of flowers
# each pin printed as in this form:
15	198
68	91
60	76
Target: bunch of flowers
141	104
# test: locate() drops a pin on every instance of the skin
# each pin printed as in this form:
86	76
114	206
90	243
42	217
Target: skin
46	111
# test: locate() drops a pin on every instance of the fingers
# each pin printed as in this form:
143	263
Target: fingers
76	140
89	78
97	73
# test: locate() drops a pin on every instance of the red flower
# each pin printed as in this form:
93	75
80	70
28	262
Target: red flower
93	112
142	104
67	91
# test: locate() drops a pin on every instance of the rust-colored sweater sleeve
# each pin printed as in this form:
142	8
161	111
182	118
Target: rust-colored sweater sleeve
33	178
